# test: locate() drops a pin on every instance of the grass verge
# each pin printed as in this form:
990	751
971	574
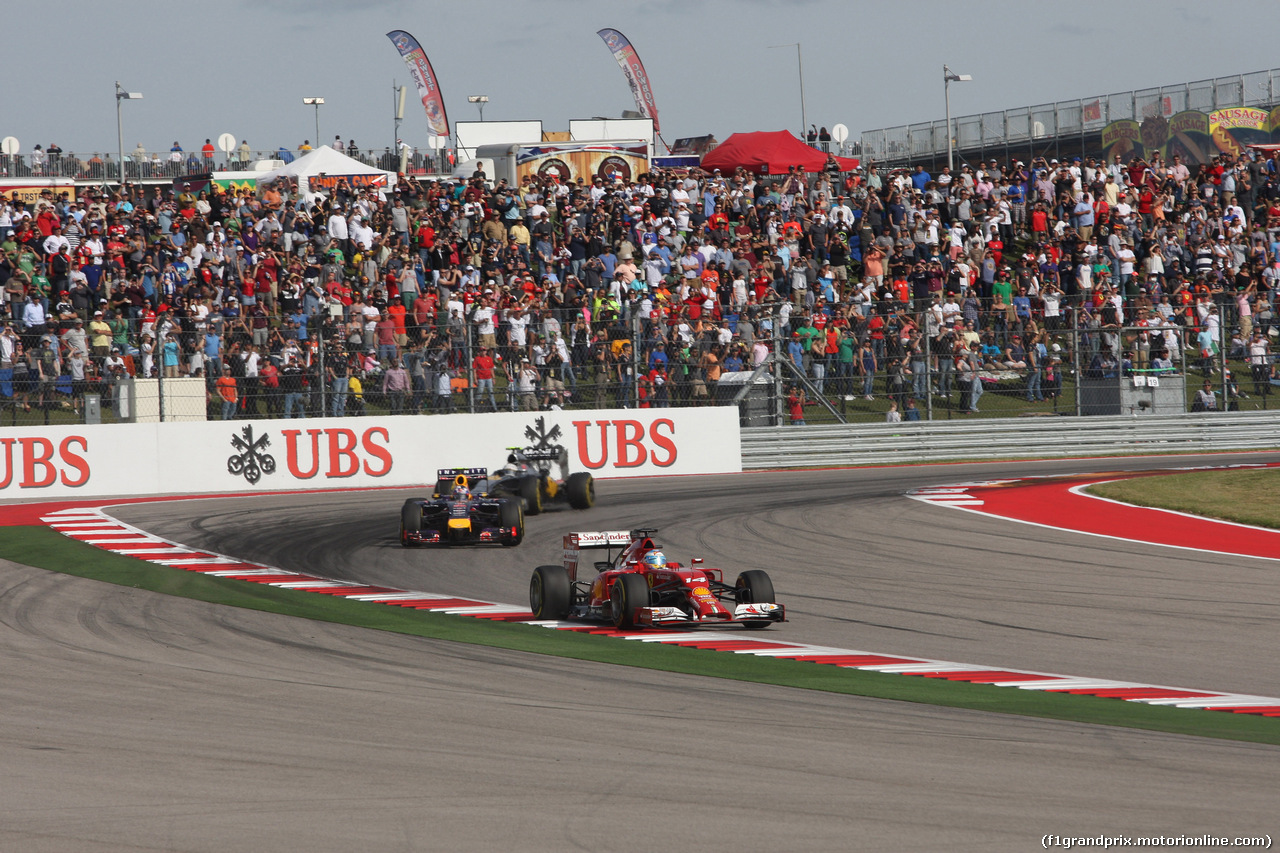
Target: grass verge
1241	495
46	549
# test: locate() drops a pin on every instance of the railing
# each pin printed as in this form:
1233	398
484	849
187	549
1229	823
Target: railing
766	448
161	165
1044	123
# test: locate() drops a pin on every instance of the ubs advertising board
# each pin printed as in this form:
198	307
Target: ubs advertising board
335	453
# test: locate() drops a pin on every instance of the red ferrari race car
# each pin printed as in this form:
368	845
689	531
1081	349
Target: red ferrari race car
639	587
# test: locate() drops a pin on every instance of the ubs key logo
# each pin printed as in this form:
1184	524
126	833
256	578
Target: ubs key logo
541	438
251	462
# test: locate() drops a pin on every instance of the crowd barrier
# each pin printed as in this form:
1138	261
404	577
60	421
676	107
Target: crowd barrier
329	453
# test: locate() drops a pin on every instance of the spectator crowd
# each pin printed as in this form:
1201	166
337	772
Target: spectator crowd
875	284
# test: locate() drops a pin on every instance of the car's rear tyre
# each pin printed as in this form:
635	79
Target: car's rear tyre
410	520
627	593
531	491
550	592
754	587
582	490
511	516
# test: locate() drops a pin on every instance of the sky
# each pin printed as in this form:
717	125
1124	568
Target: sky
243	67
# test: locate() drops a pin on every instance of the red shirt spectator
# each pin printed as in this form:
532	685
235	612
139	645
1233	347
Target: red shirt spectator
482	364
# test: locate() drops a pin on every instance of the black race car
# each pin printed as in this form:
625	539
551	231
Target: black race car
462	511
527	475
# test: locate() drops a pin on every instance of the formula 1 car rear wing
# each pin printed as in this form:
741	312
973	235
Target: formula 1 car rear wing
543	458
445	478
540	454
575	543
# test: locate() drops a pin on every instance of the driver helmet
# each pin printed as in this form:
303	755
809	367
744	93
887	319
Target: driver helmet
460	489
655	560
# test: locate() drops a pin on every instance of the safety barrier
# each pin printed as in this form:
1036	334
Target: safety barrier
341	453
766	448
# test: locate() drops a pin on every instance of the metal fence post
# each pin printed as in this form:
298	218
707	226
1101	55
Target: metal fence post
1075	355
928	374
322	375
635	359
471	374
777	364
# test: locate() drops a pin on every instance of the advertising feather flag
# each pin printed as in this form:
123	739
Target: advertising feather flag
629	61
424	78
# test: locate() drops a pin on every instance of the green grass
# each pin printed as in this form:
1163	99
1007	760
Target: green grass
44	548
1244	496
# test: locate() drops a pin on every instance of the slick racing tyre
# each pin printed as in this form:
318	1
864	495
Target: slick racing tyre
410	520
531	491
511	516
754	587
550	592
582	490
627	593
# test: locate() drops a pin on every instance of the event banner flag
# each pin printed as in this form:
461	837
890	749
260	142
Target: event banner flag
424	78
631	66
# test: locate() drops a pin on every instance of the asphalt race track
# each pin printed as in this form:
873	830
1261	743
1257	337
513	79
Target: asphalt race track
135	721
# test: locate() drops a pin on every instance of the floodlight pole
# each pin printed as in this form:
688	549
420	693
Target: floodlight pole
315	102
122	95
948	76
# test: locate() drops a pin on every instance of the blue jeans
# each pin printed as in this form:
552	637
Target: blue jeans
919	379
975	394
228	410
484	387
338	406
819	375
291	399
1034	391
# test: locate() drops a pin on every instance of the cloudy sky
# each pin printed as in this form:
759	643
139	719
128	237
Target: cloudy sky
244	67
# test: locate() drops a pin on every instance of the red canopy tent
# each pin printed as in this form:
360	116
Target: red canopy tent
768	153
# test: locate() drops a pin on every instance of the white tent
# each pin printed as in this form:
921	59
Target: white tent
319	170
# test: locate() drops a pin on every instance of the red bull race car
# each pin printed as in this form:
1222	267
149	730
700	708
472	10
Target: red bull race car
639	587
461	512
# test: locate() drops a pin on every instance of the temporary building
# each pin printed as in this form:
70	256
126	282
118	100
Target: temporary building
768	153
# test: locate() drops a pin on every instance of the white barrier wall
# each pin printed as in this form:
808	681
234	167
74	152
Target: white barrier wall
328	453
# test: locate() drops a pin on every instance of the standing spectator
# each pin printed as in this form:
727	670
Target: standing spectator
291	385
169	356
527	385
1259	363
100	337
336	373
444	388
395	385
482	366
226	386
968	364
795	405
269	386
